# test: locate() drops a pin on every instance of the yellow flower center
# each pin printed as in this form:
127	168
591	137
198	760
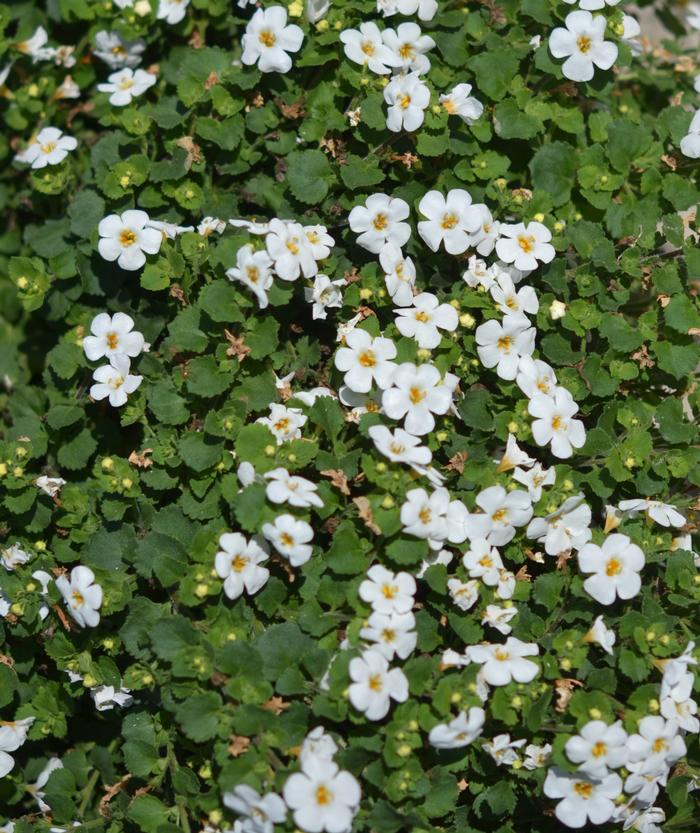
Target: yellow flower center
375	682
286	539
282	424
78	599
127	237
425	516
502	655
323	795
416	395
557	423
486	561
126	84
500	515
406	51
48	147
659	745
293	246
118	50
267	38
404	101
584	789
526	243
368	359
613	567
116	381
504	344
421	316
449	221
239	563
584	43
388	635
389	591
397	448
380	222
368	47
112	341
449	106
253	273
599	749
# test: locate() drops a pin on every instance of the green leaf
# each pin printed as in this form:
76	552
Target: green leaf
553	169
309	175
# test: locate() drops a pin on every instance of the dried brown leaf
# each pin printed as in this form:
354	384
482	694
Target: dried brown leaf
140	459
338	478
365	512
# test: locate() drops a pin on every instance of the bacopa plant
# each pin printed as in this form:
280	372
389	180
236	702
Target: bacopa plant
349	463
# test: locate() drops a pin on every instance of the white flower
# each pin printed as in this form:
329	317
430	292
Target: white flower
630	32
461	731
502	344
498	618
422	320
536	756
324	294
506	584
388	592
535	376
35	46
567	528
106	697
690	144
511	301
460	102
268	39
693	15
317	744
50	485
320	242
506	511
646	779
12	736
322	797
503	750
525	245
557	310
379	222
598	747
260	812
44	580
289	248
677	703
483	561
125	85
583	46
366	47
583	798
433	558
425	9
114	382
117	52
42	780
400	447
126	237
50	147
238	563
417	393
365	360
399	274
283	487
211	225
663	513
374	685
316	10
592	5
656	737
290	537
534	479
407	97
393	634
251	226
408	45
169	230
66	89
485	237
478	273
614	567
451	220
112	336
14	556
503	663
514	456
553	423
285	423
601	635
172	11
425	516
254	270
464	594
82	595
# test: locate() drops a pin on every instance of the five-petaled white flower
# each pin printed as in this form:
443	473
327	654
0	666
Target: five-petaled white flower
461	731
400	446
417	393
112	336
525	245
460	102
290	536
690	143
238	563
408	45
399	274
366	360
505	511
285	423
268	39
392	634
254	270
323	295
501	344
114	382
12	735
380	221
322	797
374	685
503	663
388	592
423	320
663	513
172	11
366	47
582	44
127	238
553	422
50	147
82	595
568	527
451	220
583	799
283	487
483	561
117	52
290	250
615	569
407	97
598	747
125	85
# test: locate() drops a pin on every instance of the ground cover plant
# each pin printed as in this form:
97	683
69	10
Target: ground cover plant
348	455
